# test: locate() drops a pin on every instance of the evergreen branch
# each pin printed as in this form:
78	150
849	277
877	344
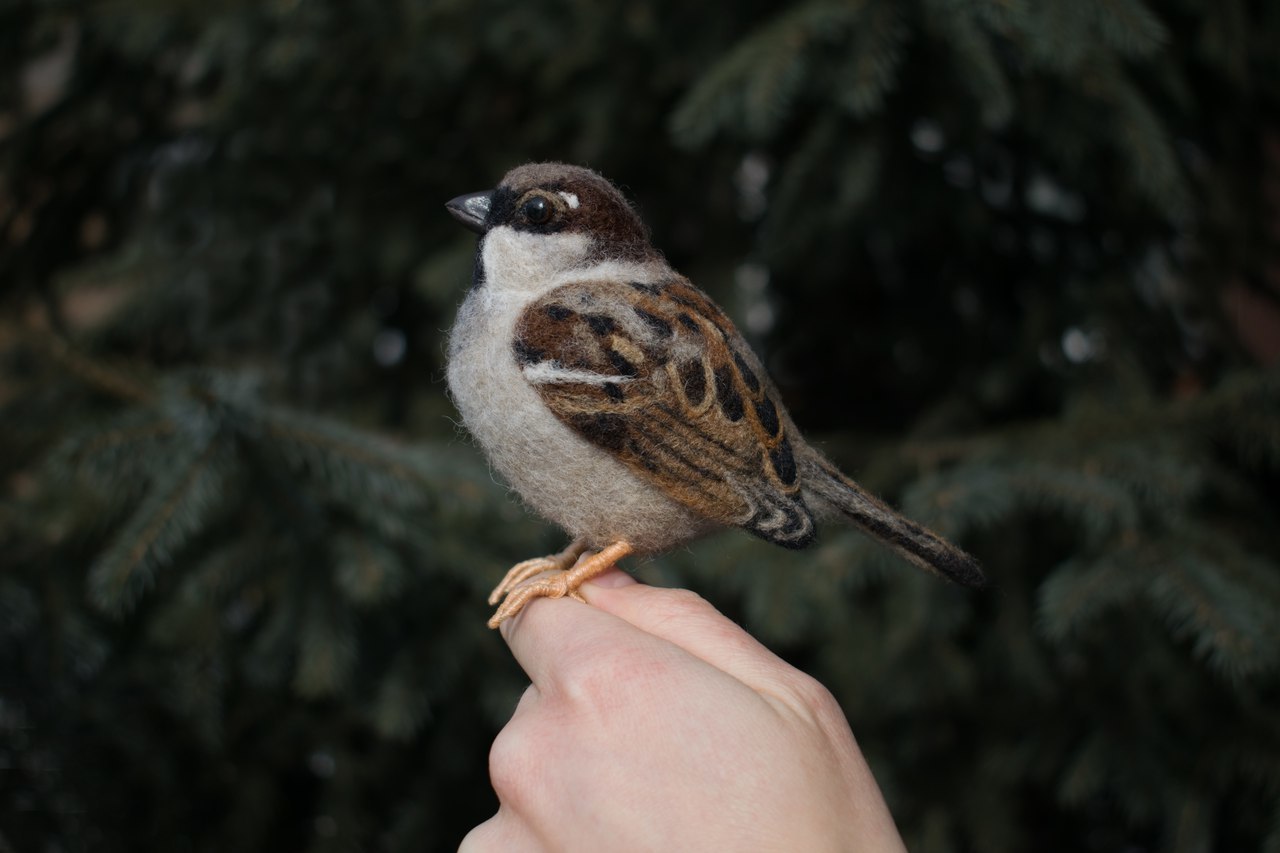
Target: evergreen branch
1079	590
147	538
95	374
788	212
1252	393
755	83
980	494
1222	598
1128	26
771	86
807	161
328	441
832	153
707	107
210	580
980	69
1005	17
1102	506
178	506
1056	36
366	473
874	56
1225	599
1144	142
113	457
115	438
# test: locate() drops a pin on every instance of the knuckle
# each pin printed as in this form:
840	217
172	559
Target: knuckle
683	609
685	603
813	700
478	839
513	762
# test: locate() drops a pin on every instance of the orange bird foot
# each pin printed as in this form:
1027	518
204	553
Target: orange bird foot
523	584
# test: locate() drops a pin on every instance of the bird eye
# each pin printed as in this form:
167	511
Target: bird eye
537	210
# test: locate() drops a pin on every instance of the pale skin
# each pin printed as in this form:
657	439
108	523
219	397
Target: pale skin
654	723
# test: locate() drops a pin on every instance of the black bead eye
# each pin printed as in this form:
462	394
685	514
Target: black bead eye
536	210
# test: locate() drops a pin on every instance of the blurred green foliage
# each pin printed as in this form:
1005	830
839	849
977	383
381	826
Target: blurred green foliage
1012	263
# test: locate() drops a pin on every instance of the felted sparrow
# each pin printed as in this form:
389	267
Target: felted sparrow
621	403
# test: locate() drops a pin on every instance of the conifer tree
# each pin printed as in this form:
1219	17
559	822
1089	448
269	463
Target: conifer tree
1012	263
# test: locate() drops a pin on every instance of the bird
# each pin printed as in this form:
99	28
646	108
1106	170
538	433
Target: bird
620	402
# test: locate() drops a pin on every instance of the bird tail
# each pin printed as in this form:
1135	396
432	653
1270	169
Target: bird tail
916	543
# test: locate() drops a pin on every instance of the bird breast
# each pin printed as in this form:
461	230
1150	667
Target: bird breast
559	474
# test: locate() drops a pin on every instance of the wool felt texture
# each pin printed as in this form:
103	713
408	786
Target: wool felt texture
675	397
621	403
559	475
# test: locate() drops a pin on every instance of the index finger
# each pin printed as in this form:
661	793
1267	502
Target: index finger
553	638
689	622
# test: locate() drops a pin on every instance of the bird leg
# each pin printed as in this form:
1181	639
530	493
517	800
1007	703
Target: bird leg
565	582
521	572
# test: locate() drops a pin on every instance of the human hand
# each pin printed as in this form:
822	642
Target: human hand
655	723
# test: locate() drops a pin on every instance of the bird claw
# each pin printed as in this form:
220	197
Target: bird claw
522	571
521	585
555	586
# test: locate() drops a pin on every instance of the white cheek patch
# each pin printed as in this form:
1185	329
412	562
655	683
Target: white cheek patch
520	262
570	199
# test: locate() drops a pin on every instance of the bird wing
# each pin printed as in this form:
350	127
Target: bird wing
657	376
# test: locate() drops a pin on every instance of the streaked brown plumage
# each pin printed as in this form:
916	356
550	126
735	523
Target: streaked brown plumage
690	411
621	402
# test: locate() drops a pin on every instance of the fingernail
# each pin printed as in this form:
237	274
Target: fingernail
612	579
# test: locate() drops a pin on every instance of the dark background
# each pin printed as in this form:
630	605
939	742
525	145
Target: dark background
1013	264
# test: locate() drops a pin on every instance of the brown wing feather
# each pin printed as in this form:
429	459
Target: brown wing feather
668	387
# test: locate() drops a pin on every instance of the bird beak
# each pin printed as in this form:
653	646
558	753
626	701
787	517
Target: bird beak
471	210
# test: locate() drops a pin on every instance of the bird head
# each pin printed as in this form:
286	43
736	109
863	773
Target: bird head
546	219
